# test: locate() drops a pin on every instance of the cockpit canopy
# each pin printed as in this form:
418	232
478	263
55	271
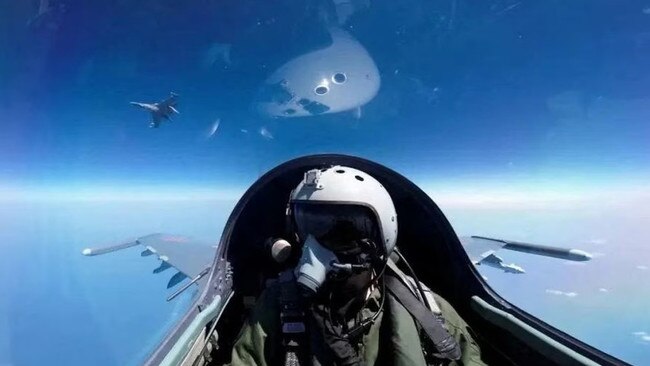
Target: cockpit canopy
425	236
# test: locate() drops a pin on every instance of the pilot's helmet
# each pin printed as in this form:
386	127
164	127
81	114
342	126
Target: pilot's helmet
340	205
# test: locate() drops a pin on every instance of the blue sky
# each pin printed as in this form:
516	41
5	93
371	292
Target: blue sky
518	93
513	106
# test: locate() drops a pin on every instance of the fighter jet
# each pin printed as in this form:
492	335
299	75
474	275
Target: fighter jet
233	273
161	110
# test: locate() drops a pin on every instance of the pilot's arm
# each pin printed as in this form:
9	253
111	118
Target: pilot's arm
471	353
256	343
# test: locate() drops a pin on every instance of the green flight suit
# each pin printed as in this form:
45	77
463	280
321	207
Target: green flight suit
393	339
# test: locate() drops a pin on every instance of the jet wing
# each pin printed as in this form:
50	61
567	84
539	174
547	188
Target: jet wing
192	258
481	249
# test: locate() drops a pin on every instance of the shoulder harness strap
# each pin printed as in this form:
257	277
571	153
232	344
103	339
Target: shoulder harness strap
410	283
292	320
432	325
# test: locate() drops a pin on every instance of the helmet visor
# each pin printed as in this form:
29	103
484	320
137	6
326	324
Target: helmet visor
339	227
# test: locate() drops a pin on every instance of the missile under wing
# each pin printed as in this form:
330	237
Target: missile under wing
193	258
481	250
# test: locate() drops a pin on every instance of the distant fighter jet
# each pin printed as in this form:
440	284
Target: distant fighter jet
161	110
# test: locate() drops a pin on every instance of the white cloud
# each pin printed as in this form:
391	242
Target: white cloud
554	292
642	267
643	336
562	293
266	133
602	289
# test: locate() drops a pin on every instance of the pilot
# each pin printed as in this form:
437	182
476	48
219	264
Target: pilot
344	300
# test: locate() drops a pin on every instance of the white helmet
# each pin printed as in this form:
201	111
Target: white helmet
343	191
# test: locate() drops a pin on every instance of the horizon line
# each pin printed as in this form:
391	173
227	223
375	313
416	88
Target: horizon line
492	194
